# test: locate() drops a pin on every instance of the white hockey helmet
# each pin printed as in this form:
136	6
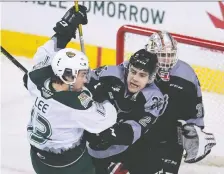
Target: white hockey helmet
67	63
165	46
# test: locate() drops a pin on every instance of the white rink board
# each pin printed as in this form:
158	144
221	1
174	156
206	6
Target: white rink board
190	18
15	109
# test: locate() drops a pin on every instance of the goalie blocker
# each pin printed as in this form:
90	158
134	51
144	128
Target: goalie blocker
196	143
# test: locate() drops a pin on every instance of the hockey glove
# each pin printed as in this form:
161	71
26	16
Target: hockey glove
98	141
66	28
102	92
117	168
196	143
119	134
95	142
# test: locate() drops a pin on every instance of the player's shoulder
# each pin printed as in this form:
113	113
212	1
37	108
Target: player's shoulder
112	71
39	76
183	70
76	100
155	101
151	91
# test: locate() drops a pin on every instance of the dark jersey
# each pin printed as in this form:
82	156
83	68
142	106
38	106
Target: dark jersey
184	91
139	110
184	103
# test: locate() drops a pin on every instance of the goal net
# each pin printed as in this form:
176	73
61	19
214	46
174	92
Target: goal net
207	59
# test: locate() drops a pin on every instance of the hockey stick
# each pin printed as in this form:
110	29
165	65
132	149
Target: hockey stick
13	60
80	29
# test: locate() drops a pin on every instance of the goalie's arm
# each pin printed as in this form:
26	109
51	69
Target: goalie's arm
195	107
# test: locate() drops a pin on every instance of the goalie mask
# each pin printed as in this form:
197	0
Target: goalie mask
163	44
67	63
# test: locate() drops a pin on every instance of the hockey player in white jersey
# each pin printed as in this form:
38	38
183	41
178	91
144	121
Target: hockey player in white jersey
63	108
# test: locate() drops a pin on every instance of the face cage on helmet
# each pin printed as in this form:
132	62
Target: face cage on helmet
167	55
167	60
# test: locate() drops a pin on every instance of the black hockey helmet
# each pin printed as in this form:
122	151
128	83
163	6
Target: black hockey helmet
145	60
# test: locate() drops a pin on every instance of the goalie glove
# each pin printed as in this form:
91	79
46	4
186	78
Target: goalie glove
196	143
117	168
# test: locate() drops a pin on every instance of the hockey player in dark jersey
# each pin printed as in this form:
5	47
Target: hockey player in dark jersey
63	107
161	148
178	80
139	103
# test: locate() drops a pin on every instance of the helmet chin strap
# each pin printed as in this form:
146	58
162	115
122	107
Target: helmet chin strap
70	87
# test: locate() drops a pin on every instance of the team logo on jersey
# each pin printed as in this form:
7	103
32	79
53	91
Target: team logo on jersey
70	54
157	103
84	99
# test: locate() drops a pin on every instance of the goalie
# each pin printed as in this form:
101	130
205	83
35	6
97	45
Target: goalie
178	80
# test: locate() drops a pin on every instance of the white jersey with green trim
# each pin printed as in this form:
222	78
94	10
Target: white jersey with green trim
58	119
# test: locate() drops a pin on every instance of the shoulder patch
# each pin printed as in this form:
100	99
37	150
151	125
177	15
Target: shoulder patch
158	103
45	93
84	99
